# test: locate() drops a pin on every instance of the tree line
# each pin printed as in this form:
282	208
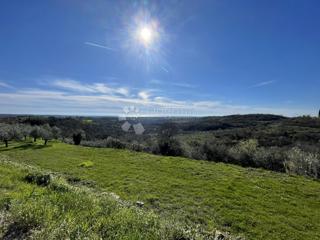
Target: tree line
18	132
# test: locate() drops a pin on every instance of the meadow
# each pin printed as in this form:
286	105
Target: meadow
254	203
36	206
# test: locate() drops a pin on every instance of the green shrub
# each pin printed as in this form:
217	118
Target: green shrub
194	149
78	136
39	179
60	185
135	146
214	151
243	152
86	164
270	158
114	143
170	147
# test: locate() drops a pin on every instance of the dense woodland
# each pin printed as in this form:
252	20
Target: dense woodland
271	142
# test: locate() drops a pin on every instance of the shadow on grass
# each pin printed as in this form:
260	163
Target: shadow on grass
24	146
17	231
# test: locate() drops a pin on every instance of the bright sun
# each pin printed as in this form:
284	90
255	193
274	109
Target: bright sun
146	35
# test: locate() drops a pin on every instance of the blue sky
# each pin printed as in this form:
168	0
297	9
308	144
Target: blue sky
80	57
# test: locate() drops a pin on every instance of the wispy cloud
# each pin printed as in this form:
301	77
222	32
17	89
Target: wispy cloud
145	95
176	84
184	85
156	81
75	98
71	85
101	88
92	44
261	84
164	69
4	85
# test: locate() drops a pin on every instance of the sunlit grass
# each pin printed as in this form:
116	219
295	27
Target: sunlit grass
61	211
257	203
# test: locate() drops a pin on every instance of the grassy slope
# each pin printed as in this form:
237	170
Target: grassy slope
62	211
258	203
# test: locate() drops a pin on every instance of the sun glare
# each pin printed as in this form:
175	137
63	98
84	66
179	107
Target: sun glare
145	35
146	39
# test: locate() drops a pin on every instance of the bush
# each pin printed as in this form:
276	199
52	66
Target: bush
39	179
77	137
302	163
135	146
214	151
111	142
270	158
170	147
243	153
86	164
60	185
114	143
194	150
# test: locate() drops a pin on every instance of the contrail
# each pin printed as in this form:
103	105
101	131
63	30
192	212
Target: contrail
164	69
261	84
99	46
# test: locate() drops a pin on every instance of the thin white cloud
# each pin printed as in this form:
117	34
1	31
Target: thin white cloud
124	91
176	84
164	69
72	85
145	95
99	46
39	101
156	81
184	85
4	85
76	86
75	98
261	84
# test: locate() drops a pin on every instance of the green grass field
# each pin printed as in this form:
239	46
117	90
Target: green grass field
255	203
30	209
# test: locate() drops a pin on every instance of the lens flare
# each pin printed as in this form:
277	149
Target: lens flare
145	39
146	35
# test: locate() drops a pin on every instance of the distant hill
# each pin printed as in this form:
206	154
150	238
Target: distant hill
232	121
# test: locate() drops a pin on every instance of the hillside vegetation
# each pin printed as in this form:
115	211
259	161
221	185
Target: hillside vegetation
41	205
255	203
263	141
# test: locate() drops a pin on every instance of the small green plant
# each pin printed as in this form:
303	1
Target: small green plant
86	164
